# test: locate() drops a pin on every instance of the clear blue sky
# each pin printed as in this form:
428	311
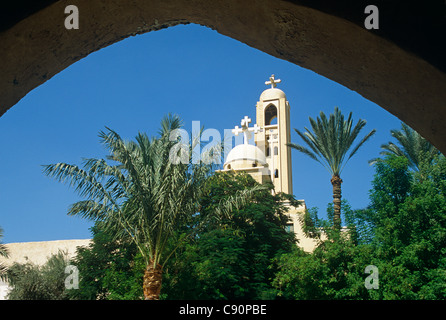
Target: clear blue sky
189	70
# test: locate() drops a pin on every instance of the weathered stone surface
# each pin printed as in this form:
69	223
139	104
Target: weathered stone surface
36	48
38	252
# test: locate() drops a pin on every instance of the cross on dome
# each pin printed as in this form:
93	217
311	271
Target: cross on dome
273	82
245	121
245	129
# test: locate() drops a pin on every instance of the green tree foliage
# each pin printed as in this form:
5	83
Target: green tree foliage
411	226
33	282
108	269
333	271
143	194
248	254
3	253
405	239
244	251
232	257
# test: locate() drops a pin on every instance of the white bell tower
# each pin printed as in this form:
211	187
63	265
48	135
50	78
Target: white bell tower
273	115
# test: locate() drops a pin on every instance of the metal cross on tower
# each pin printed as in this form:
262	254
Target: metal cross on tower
273	82
246	129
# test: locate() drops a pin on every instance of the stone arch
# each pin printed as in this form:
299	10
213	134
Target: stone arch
312	34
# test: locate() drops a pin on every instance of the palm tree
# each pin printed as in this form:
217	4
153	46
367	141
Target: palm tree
142	195
3	253
328	144
413	147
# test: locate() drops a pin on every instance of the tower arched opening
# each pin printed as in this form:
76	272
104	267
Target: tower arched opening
270	115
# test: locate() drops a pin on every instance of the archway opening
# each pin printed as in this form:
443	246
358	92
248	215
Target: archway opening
129	87
270	115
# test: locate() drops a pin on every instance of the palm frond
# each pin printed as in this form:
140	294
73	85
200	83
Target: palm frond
331	138
311	141
92	210
238	200
304	150
85	184
169	123
363	140
411	145
374	161
142	196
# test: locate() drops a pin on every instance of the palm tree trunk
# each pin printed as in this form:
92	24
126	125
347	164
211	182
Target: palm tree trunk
152	281
336	182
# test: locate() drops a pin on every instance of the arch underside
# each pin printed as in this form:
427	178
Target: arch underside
38	47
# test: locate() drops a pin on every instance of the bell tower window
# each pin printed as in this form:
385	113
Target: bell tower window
270	115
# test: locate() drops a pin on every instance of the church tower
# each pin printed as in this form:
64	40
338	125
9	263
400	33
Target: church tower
269	159
273	116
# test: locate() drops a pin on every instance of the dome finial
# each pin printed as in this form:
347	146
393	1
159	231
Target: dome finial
273	82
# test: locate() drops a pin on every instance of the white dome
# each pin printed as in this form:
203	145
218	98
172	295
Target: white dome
246	152
272	93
